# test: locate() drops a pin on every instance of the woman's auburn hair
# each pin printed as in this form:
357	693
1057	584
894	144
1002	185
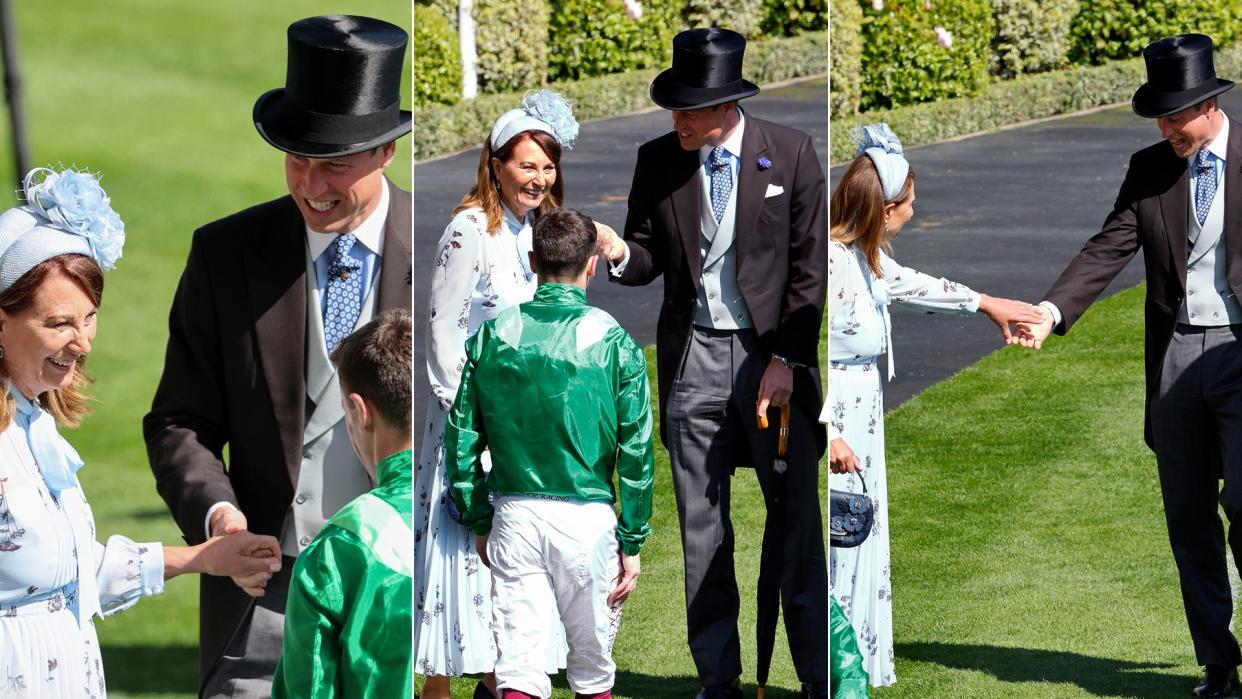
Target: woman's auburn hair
856	212
485	194
68	405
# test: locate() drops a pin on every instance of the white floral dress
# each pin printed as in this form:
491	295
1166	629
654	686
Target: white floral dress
55	578
476	275
860	329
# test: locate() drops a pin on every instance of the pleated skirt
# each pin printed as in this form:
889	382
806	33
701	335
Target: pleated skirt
46	656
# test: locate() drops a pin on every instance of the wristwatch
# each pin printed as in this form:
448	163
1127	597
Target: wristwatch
789	363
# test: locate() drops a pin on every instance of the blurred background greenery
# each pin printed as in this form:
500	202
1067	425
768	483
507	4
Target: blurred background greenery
157	98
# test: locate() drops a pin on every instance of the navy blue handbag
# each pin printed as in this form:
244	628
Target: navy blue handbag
850	517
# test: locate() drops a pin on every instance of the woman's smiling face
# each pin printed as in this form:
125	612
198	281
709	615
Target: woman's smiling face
526	177
44	341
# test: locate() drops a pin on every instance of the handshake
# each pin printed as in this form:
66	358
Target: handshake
249	559
1021	323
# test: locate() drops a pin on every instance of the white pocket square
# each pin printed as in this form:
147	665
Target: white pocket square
773	190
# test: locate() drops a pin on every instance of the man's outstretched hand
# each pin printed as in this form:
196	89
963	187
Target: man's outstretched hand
1032	335
608	243
230	520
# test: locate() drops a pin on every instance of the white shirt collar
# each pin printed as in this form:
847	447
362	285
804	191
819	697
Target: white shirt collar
733	144
1220	145
370	232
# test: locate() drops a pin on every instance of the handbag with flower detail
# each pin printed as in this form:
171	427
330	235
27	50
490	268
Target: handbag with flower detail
850	516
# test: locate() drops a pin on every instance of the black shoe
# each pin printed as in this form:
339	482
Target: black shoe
1218	681
728	691
482	692
815	690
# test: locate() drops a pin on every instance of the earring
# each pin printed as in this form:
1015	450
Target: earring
1	351
885	226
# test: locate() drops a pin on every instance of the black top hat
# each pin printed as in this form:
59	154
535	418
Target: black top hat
342	91
707	70
1180	74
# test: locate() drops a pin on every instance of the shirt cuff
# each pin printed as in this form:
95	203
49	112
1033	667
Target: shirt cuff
1056	312
210	511
152	568
616	269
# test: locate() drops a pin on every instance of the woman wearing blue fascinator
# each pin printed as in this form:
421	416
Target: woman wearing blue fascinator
55	577
482	267
872	202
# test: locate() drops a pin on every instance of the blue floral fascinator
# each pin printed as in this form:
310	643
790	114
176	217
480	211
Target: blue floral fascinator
542	110
66	211
878	142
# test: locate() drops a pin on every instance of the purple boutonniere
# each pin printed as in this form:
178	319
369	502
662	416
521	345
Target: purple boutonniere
764	163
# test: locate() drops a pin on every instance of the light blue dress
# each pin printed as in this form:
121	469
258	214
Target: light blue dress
859	332
55	578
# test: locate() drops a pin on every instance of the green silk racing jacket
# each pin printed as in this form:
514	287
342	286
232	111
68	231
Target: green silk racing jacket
557	391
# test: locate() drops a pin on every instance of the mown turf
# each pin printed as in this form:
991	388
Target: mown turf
157	97
1030	556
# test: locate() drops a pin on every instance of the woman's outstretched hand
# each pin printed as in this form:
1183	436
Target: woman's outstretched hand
842	459
239	554
243	556
1007	312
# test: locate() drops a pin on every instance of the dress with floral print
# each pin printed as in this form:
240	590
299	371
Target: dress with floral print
48	646
476	275
854	410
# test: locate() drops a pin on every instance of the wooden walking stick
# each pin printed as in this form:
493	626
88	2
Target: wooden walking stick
770	562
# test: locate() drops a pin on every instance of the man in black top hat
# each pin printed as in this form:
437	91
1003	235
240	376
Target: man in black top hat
1180	203
266	295
732	211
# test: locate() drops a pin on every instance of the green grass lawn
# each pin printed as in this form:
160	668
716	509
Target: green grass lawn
156	96
1030	556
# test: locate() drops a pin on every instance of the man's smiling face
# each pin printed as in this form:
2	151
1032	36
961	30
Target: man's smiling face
335	195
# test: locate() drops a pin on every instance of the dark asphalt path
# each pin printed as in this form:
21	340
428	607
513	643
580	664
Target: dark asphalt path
1002	212
597	175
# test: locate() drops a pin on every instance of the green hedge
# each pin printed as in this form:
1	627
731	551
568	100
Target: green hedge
437	58
903	63
596	37
508	42
845	82
440	130
1032	36
1111	29
1013	101
792	17
448	7
742	16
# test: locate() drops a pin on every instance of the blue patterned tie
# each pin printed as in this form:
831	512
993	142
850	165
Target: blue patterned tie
344	297
1205	191
722	181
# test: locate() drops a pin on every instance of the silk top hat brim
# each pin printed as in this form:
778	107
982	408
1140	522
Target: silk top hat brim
1180	74
342	90
271	114
707	70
